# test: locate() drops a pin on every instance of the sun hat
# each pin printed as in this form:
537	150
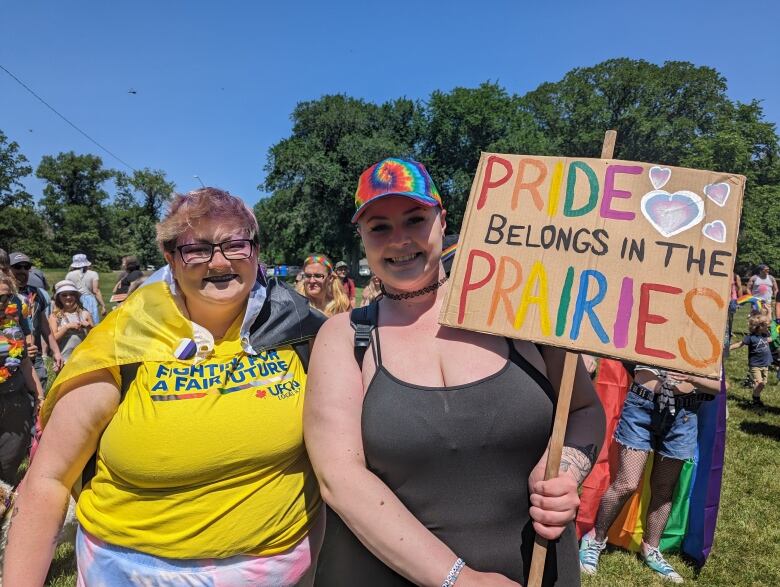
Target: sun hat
341	264
80	260
395	177
64	286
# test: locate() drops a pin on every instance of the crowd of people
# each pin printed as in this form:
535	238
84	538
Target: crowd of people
221	427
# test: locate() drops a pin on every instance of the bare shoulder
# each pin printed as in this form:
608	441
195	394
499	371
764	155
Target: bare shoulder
333	346
335	329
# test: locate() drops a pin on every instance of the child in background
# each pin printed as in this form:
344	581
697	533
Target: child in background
759	353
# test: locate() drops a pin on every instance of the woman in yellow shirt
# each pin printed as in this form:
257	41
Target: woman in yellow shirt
190	398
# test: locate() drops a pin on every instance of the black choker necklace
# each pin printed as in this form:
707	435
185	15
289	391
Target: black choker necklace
413	294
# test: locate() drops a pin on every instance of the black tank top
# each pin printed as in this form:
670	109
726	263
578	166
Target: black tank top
459	459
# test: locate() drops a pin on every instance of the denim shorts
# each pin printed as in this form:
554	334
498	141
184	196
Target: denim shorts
670	436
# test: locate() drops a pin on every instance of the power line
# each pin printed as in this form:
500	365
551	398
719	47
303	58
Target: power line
50	107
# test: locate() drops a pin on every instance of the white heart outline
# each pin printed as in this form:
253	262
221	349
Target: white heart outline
665	170
713	200
713	223
696	198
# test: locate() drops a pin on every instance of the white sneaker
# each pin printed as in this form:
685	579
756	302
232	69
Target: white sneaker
590	551
656	561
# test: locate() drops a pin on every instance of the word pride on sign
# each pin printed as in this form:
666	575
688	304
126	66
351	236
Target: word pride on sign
616	258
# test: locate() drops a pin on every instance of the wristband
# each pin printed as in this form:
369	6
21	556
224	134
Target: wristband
452	576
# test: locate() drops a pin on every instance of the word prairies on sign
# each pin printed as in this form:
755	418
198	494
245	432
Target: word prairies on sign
616	258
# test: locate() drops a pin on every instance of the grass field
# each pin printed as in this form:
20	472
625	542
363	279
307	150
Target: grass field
747	541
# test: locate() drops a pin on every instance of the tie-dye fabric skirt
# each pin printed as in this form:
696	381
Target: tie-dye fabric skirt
104	565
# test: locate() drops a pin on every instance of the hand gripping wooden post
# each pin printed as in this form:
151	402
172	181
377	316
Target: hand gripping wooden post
536	571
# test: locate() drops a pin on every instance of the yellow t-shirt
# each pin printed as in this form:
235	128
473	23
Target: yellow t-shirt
206	460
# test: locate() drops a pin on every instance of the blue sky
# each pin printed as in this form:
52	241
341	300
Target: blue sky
216	81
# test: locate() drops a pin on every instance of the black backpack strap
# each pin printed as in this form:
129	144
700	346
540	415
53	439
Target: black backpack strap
363	321
303	350
127	375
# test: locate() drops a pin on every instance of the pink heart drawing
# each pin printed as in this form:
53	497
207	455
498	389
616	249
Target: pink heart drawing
659	176
715	230
718	192
671	214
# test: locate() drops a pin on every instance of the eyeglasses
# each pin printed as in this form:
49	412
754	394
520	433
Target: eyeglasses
5	298
23	266
196	253
315	276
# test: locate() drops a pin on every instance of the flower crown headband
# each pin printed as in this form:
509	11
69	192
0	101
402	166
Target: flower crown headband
321	259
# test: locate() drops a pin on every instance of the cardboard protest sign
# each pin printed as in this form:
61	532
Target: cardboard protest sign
616	258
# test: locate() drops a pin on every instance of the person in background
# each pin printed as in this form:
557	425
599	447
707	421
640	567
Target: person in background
5	263
372	291
759	352
764	286
431	448
70	321
342	270
35	300
660	415
88	283
169	393
321	287
20	389
131	271
37	278
736	288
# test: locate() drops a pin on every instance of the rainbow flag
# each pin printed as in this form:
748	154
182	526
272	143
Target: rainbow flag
691	525
756	302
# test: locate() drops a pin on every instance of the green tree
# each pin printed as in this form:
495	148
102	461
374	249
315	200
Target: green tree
74	205
13	168
136	210
313	173
675	114
657	111
464	122
21	227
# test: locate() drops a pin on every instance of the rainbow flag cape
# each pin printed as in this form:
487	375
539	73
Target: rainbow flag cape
691	525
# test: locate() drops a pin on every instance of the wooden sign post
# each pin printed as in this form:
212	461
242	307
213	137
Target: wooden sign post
620	259
536	572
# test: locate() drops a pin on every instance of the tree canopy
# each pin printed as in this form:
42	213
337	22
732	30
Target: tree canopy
77	213
675	114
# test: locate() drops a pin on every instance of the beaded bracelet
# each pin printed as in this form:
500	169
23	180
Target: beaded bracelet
452	576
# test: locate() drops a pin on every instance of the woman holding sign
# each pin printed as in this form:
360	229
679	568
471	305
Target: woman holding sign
430	448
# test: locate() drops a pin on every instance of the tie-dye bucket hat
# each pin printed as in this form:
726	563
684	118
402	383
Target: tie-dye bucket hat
395	177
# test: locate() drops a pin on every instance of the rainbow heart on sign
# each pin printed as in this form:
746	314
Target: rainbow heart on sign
715	230
717	192
671	214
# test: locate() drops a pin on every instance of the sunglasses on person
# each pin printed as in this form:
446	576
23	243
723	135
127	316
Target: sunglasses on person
315	276
197	253
23	266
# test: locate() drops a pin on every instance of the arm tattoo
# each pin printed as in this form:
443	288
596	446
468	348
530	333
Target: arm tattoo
577	461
